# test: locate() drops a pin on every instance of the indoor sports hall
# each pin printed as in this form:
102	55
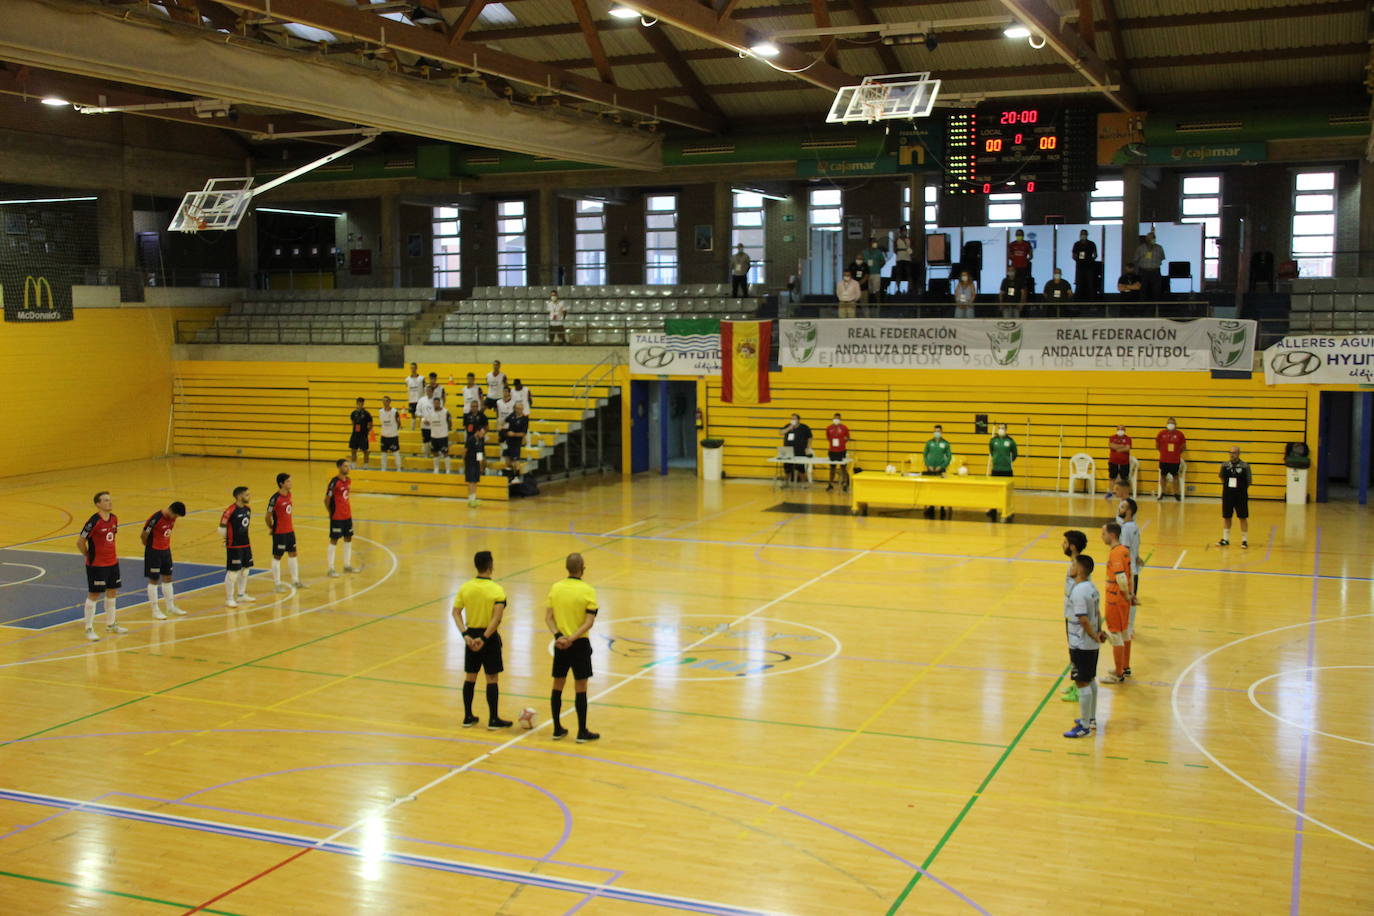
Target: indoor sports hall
831	328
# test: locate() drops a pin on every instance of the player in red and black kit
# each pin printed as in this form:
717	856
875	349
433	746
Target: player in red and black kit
157	556
283	529
1019	254
96	543
837	442
238	550
340	509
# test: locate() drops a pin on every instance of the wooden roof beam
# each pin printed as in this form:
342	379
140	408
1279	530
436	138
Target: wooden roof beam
885	53
1123	66
589	34
1039	16
701	21
387	33
691	84
465	21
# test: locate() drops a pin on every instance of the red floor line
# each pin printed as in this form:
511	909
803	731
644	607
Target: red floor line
242	884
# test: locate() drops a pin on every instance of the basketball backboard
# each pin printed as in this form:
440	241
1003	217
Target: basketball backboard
882	98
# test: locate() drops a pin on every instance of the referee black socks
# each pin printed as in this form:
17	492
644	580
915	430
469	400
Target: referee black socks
581	703
493	694
469	691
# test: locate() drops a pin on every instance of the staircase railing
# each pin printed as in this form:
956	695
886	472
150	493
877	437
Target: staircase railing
596	375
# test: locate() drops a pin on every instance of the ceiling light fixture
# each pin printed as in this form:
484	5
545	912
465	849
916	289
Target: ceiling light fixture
1016	30
1031	40
55	101
620	11
301	212
764	48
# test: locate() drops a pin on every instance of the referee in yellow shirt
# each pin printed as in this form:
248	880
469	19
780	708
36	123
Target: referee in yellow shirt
482	602
570	615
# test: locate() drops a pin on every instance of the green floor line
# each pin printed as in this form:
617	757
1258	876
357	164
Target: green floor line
101	890
973	799
676	712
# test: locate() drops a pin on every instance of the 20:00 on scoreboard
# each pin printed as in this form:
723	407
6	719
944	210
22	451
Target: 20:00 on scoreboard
1020	149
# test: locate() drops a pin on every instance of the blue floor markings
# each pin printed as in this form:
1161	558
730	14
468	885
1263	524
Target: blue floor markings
41	589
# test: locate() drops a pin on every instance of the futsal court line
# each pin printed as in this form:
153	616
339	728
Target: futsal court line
306	844
1295	895
825	548
92	889
1298	725
434	783
395	566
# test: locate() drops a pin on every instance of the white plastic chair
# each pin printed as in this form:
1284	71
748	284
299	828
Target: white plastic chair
1083	467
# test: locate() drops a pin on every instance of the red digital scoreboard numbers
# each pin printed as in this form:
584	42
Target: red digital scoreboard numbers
1008	149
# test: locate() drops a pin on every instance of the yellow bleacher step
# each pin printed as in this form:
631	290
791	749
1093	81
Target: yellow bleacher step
421	483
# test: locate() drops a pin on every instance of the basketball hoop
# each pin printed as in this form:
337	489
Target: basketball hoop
883	98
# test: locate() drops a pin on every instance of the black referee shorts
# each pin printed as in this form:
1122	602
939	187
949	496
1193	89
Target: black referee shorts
487	658
1234	502
577	658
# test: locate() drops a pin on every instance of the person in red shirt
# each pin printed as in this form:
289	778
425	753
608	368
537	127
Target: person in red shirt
1119	458
238	549
340	509
1171	442
157	556
837	441
283	529
96	543
1019	255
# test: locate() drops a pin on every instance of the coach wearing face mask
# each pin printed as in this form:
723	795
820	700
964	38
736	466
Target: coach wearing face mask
937	456
1170	441
1119	457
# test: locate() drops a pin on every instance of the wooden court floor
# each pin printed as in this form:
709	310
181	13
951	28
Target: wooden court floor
802	712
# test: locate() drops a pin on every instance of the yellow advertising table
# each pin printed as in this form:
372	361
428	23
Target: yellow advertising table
897	491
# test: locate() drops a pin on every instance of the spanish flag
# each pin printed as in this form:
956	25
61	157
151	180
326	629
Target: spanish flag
744	348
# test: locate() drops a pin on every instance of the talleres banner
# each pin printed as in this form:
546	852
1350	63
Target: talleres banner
1321	359
1124	344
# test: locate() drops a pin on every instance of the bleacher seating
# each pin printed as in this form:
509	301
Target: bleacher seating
300	412
1331	305
596	314
317	316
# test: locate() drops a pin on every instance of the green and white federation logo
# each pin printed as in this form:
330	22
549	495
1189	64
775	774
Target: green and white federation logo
1230	341
1006	342
801	340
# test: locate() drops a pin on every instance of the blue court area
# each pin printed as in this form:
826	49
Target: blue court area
41	589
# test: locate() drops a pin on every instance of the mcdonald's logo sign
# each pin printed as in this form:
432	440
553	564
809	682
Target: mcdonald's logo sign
39	286
35	299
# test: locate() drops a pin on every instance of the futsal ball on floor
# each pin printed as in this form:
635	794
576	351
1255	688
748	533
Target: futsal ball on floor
527	717
963	472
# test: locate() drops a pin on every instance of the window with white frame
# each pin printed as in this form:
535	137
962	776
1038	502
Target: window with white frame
447	249
1005	210
511	250
746	228
825	208
590	243
660	239
1107	203
1314	223
932	206
1200	202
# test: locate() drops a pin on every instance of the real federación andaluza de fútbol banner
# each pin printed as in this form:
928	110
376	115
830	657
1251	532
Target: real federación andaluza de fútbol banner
1124	344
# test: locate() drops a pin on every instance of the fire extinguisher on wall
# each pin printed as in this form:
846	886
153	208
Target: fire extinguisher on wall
701	419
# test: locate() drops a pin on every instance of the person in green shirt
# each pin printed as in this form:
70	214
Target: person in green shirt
937	456
1001	452
1002	449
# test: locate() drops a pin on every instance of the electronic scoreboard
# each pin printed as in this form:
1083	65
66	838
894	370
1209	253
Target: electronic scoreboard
1024	148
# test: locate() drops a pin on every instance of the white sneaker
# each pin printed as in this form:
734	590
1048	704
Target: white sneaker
281	587
231	603
248	599
176	610
158	615
333	573
116	628
299	585
354	569
91	634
